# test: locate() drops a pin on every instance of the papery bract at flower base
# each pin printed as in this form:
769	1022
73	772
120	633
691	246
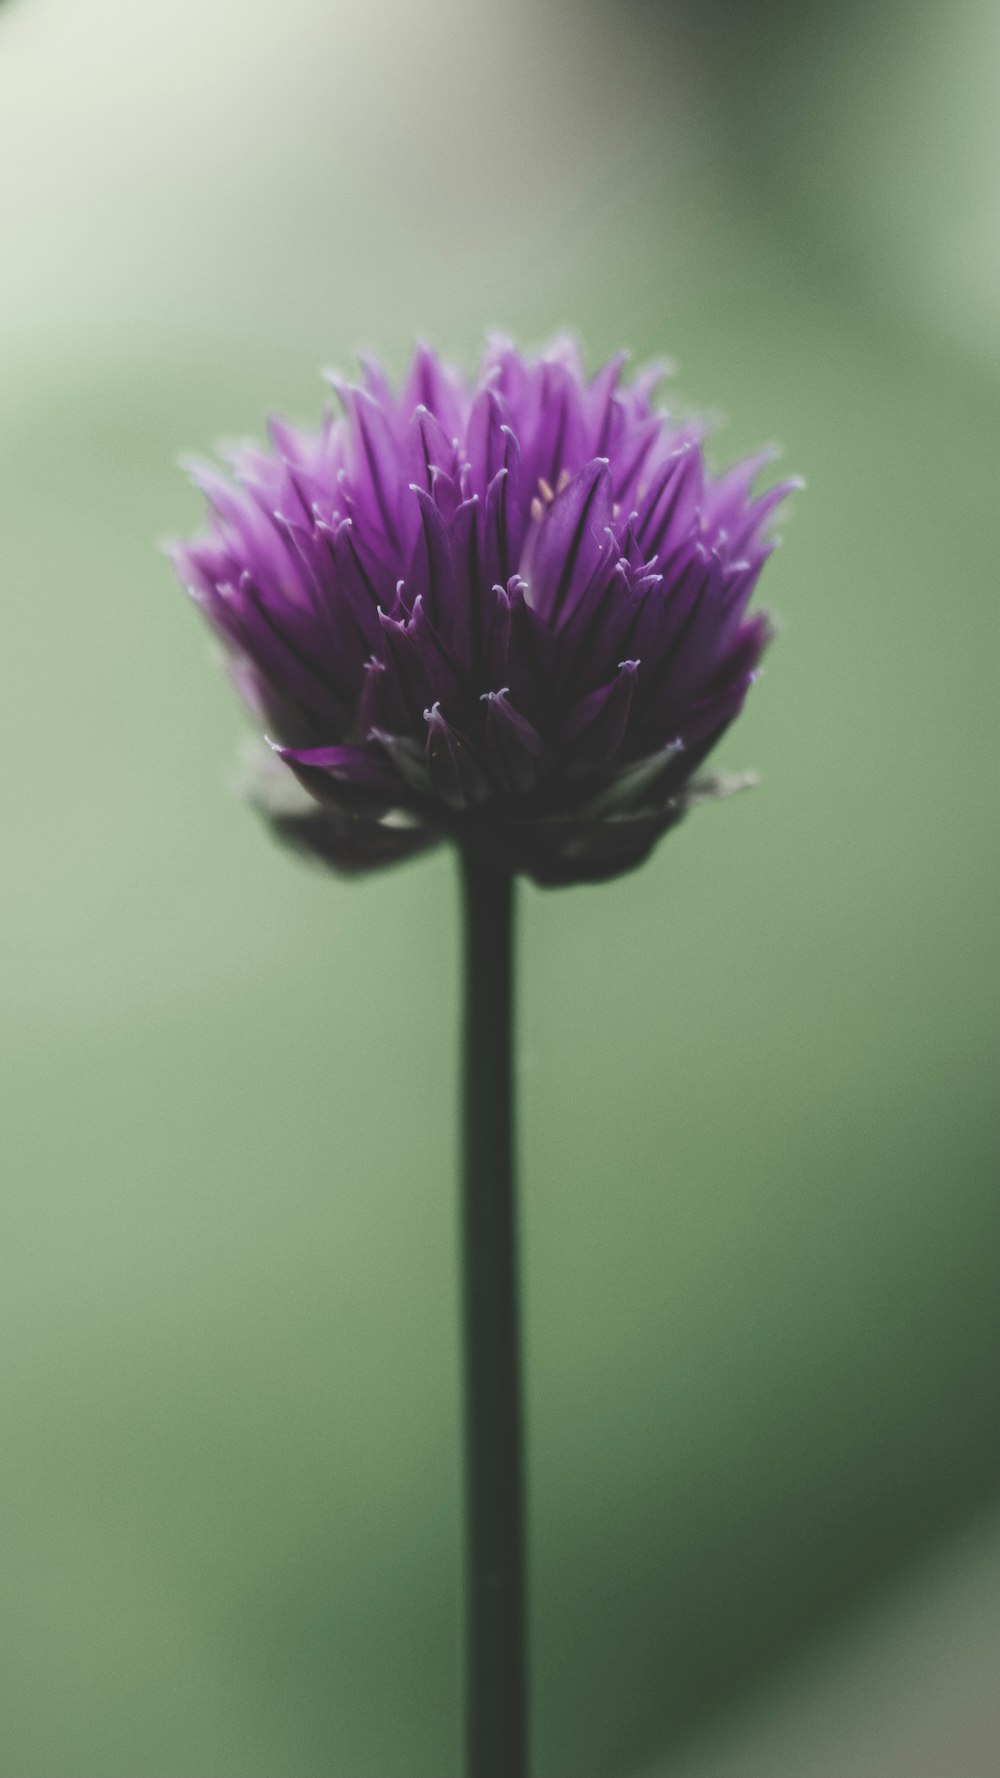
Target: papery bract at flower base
512	612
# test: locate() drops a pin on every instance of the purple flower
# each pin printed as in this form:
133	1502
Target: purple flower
512	613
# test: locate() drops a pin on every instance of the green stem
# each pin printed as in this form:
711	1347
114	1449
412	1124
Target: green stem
496	1726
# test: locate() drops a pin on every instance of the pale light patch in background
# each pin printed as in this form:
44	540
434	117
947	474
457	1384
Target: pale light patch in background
211	171
907	1691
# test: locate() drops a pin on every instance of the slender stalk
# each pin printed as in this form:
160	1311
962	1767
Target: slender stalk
496	1713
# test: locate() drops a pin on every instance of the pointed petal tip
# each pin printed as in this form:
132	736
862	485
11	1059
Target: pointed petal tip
205	474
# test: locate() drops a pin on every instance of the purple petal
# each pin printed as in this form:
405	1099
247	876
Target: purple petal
514	746
748	529
354	765
432	385
572	543
596	727
376	383
471	600
430	575
690	656
375	462
630	450
598	408
558	435
407	686
503	523
649	377
725	498
667	510
496	634
283	651
456	773
359	588
342	776
428	449
486	444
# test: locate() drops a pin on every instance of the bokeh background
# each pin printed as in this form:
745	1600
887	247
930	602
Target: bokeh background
759	1160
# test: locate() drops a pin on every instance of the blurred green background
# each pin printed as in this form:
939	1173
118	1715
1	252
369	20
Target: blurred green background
759	1158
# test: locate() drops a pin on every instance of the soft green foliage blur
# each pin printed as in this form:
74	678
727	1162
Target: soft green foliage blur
759	1160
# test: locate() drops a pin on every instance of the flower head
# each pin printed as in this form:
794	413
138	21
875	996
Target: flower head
512	612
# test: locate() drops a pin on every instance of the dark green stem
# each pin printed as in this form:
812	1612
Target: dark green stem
496	1727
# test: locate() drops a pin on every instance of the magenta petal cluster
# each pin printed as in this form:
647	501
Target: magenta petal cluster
511	612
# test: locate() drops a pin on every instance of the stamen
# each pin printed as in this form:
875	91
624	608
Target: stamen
546	490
